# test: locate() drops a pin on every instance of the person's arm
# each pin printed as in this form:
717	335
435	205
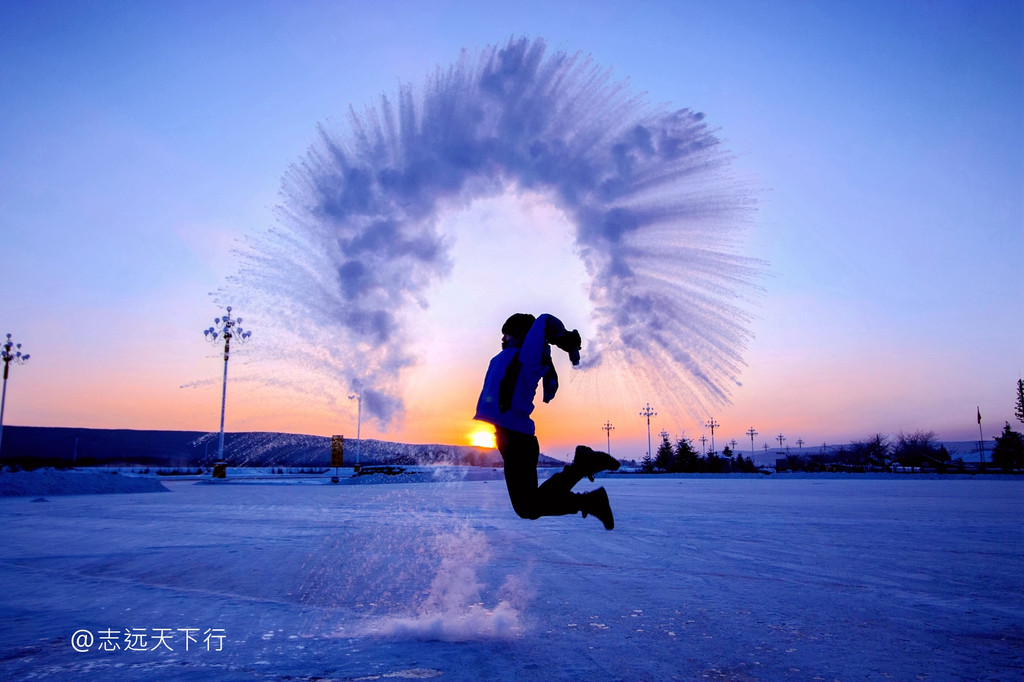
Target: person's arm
549	329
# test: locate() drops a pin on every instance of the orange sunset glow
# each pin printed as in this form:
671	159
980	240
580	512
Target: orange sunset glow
482	438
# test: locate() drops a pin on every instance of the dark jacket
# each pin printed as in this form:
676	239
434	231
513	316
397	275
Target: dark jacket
513	375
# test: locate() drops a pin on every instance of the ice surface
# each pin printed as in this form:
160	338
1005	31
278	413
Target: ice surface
74	482
770	578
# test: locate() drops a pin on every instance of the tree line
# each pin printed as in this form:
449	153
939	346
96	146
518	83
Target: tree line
878	452
681	457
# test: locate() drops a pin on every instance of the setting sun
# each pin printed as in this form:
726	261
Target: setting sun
482	438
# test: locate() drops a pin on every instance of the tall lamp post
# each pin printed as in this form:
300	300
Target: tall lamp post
712	424
11	353
608	428
359	419
225	328
648	412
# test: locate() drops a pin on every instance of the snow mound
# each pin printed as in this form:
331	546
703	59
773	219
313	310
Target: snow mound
453	610
475	623
54	482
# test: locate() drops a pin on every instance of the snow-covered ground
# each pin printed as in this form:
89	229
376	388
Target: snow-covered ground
755	578
75	482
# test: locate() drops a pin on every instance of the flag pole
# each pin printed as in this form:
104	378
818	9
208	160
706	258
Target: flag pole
981	439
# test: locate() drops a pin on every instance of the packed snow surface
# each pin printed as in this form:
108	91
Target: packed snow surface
757	578
74	482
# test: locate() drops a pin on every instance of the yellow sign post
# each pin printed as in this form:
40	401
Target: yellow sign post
337	455
337	451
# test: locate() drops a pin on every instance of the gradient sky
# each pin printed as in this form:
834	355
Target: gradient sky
140	141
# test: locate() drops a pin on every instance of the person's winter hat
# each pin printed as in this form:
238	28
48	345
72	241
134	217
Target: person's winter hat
518	325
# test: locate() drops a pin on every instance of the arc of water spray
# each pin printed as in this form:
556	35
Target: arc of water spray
656	210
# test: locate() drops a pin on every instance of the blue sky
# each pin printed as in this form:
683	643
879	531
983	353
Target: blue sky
141	140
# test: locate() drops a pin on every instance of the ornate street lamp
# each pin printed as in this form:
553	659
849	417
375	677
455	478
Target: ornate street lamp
608	432
225	328
712	424
11	353
648	412
751	432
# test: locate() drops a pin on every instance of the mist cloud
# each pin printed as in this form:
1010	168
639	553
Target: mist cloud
656	211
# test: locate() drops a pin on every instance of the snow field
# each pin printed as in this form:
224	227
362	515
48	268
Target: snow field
703	578
75	482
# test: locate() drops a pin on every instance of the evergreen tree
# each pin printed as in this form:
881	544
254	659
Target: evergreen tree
665	458
1008	453
1018	411
745	464
687	459
711	463
726	464
647	464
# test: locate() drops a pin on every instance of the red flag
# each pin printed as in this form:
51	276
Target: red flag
979	415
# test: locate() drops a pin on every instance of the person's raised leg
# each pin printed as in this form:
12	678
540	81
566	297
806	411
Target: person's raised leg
520	452
590	461
555	496
585	464
596	502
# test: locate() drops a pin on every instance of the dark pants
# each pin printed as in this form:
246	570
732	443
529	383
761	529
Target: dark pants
554	497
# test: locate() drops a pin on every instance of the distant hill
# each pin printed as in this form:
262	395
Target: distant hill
33	446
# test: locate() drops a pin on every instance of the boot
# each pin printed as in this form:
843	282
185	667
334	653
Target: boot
588	462
596	502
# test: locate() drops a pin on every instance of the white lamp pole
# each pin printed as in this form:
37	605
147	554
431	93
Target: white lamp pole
648	412
608	428
359	418
11	353
226	328
712	424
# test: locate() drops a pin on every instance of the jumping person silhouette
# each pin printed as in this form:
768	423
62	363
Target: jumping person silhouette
506	401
